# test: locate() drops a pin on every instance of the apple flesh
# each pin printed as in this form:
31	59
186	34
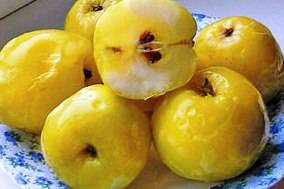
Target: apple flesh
38	71
212	130
96	139
143	48
246	46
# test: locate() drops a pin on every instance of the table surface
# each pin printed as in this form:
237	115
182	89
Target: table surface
50	14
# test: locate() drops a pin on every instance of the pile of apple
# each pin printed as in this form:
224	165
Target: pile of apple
207	122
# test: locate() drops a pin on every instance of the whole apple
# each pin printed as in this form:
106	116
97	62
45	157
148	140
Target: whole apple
96	140
212	130
246	46
143	48
84	14
38	71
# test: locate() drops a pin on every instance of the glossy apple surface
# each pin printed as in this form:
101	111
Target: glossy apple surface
246	46
84	14
38	71
214	129
97	140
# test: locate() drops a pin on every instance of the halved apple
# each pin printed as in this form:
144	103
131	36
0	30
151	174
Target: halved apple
143	48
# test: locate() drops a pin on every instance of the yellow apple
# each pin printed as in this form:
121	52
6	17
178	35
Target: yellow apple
245	46
143	48
214	129
38	71
96	140
84	14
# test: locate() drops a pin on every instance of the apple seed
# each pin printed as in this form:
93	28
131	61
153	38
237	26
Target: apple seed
151	48
153	57
146	37
146	43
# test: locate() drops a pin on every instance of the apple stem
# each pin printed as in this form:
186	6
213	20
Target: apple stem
91	151
207	88
96	8
228	32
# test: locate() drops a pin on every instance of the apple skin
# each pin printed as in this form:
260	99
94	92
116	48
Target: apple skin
95	117
208	137
38	71
82	17
246	46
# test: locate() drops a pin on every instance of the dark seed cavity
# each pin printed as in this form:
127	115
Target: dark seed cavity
146	37
228	32
87	73
151	56
90	151
207	88
96	8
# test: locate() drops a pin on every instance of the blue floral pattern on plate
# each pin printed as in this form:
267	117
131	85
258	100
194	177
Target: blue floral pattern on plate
21	157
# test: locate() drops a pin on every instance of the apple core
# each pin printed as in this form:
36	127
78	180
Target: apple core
148	49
